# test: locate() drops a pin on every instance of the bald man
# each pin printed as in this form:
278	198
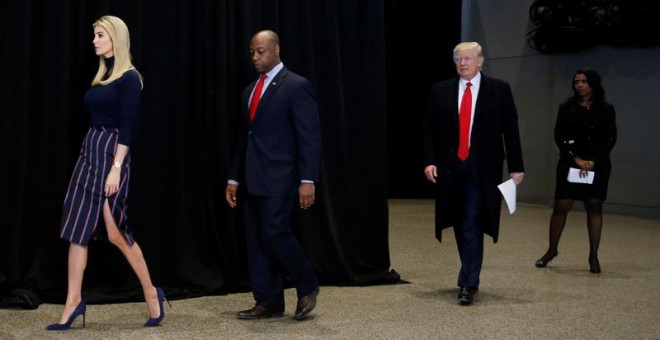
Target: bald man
277	157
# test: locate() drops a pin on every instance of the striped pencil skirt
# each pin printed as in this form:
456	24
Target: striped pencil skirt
85	197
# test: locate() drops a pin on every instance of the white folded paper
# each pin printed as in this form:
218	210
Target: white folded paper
574	176
508	190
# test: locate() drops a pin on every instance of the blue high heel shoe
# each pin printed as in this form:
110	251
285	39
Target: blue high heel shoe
81	309
152	322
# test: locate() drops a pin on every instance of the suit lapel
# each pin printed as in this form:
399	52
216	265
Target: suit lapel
246	103
270	90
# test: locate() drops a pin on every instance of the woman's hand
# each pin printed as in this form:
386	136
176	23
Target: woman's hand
114	176
112	181
584	164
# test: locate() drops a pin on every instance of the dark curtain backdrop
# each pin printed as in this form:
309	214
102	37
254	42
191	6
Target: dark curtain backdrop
421	36
194	58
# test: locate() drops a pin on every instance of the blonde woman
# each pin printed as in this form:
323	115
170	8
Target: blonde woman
99	185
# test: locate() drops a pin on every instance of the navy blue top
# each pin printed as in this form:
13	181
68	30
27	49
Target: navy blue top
116	104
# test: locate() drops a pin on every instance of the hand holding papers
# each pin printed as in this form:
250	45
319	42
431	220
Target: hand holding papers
508	190
574	176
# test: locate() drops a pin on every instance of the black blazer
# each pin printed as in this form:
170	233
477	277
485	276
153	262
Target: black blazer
587	133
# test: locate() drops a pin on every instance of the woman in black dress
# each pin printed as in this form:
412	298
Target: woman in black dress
99	184
585	133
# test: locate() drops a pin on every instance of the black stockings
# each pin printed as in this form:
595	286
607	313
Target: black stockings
595	223
594	208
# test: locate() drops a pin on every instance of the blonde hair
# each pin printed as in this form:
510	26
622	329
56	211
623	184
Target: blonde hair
121	50
468	45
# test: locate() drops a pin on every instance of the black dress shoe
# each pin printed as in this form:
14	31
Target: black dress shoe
466	296
543	261
305	305
259	312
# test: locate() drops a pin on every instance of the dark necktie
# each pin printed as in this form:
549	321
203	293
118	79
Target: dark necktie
256	95
465	115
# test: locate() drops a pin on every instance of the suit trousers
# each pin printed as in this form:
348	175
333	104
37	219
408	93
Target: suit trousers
274	251
468	231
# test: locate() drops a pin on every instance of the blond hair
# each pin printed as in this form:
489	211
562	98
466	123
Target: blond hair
121	50
468	45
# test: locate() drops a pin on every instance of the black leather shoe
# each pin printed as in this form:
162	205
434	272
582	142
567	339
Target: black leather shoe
259	312
466	296
305	305
543	261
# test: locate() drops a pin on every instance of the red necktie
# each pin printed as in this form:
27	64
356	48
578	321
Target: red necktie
256	95
465	114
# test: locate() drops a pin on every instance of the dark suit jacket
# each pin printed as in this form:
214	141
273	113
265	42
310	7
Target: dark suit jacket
283	144
494	135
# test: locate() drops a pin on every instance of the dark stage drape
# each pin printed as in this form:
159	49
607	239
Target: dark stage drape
194	58
421	36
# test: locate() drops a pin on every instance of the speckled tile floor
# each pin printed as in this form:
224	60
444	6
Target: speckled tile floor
516	300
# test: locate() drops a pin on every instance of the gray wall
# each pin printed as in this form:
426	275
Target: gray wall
631	78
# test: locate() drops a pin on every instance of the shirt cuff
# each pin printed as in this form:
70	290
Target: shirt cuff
306	181
231	181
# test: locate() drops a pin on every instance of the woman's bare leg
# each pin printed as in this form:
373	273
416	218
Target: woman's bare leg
77	261
135	258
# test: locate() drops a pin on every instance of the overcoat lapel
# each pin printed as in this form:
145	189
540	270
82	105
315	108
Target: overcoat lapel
453	105
482	100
